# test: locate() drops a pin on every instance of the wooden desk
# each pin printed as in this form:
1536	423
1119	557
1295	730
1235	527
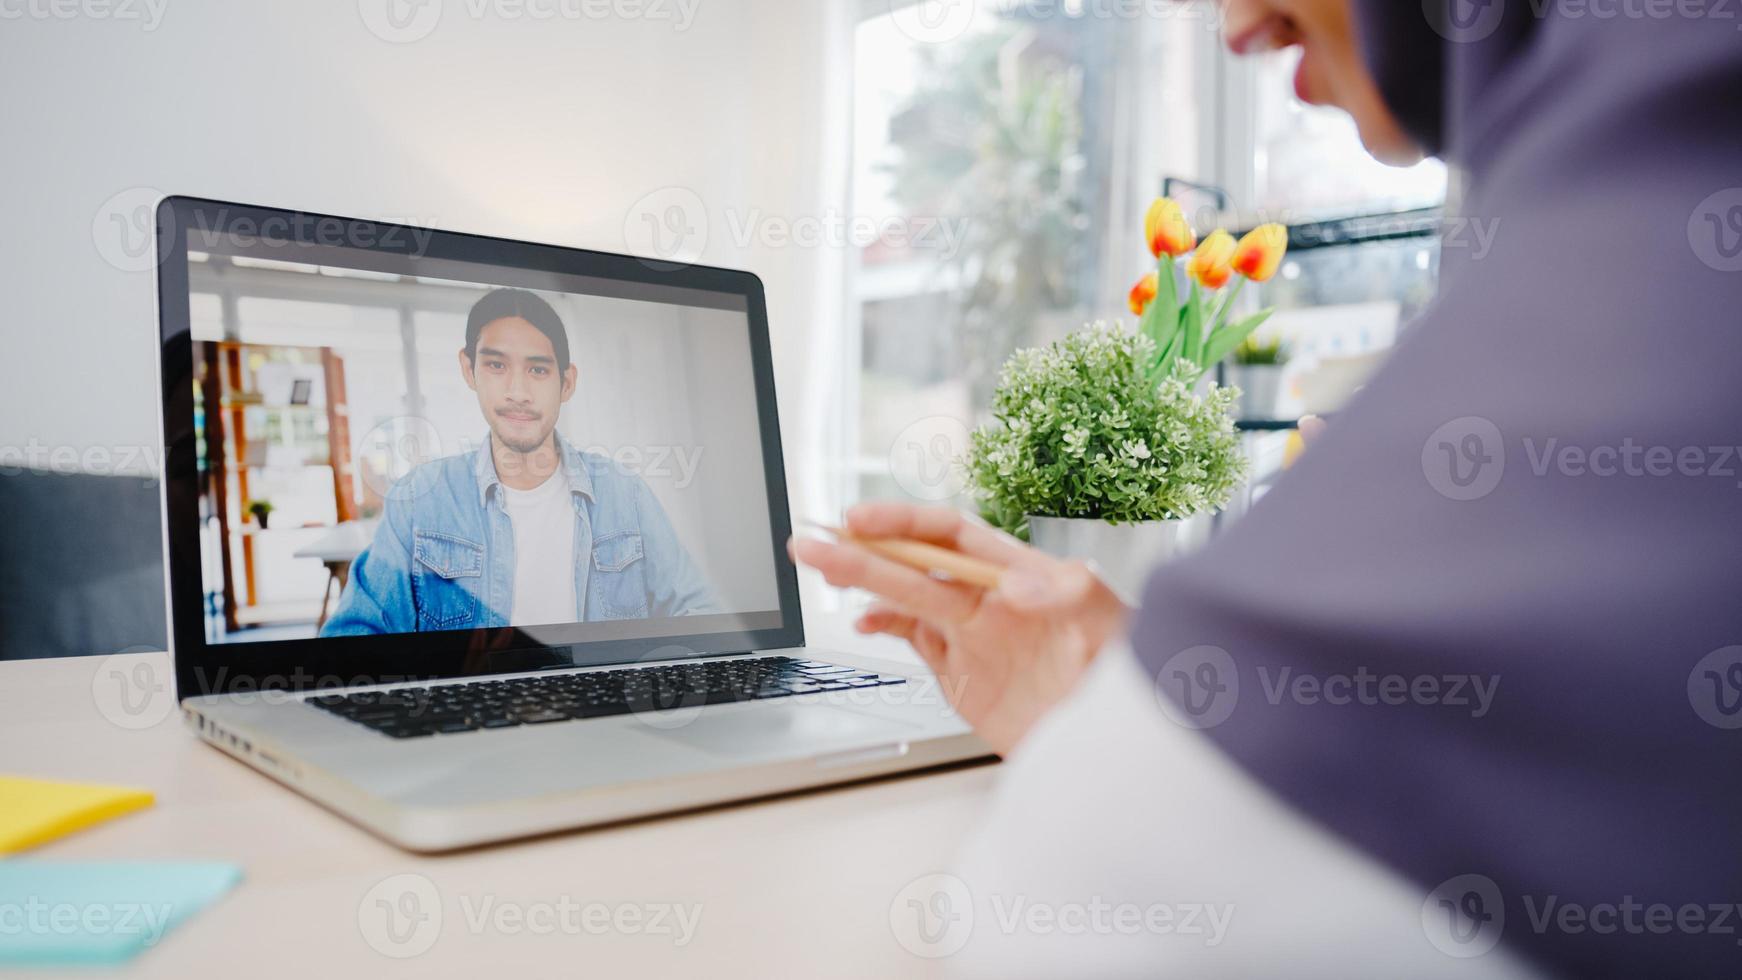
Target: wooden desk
795	887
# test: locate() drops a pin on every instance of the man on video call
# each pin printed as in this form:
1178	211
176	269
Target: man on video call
528	530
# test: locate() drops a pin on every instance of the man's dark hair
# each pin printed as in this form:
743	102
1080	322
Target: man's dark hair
499	303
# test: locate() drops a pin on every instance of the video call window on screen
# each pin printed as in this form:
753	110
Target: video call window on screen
469	447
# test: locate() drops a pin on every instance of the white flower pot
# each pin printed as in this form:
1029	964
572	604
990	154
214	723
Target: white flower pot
1123	554
1260	387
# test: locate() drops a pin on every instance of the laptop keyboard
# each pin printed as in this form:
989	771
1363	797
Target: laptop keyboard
413	712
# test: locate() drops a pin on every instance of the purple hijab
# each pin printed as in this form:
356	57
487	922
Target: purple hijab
1489	629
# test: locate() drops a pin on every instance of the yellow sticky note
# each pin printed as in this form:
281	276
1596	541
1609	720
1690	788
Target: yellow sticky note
35	811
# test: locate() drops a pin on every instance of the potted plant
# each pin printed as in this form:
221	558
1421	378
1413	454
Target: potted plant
1100	446
260	509
1256	368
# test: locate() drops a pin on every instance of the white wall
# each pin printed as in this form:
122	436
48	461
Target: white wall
667	392
554	129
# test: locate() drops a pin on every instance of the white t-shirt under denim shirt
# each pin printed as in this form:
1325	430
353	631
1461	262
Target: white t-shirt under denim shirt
544	552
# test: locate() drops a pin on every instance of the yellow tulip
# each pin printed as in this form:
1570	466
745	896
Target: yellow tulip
1166	231
1210	264
1260	253
1143	293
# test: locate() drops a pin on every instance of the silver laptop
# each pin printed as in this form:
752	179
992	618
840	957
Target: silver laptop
472	539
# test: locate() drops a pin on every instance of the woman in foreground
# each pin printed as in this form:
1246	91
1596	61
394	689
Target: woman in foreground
1550	784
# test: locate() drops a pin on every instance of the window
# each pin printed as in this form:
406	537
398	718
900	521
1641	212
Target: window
1014	151
1308	163
1004	155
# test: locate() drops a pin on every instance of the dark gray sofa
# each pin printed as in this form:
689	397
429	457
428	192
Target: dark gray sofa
81	565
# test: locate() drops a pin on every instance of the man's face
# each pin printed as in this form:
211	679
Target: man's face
520	389
1331	69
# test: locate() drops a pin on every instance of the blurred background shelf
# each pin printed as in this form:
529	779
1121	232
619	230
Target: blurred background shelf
279	438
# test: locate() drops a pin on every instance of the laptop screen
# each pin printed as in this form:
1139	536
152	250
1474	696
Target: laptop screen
398	443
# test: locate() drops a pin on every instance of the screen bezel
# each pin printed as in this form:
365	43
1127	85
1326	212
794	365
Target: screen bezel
216	668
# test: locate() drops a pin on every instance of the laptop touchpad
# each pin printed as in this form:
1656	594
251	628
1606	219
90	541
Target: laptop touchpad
784	730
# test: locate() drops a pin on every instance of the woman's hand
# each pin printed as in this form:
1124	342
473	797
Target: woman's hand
1003	656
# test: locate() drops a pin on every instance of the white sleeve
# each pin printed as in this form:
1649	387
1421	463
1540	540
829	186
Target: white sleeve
1121	844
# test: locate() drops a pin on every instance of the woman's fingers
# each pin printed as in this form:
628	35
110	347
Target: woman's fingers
932	647
847	566
894	621
939	525
1047	589
882	618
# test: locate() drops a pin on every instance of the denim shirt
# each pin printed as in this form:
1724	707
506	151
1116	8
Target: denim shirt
443	555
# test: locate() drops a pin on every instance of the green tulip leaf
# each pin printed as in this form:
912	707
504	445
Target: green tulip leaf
1225	340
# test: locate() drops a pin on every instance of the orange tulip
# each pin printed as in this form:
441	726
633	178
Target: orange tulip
1166	230
1209	265
1260	252
1143	293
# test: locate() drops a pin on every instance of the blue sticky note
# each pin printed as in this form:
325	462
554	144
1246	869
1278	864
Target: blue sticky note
82	913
